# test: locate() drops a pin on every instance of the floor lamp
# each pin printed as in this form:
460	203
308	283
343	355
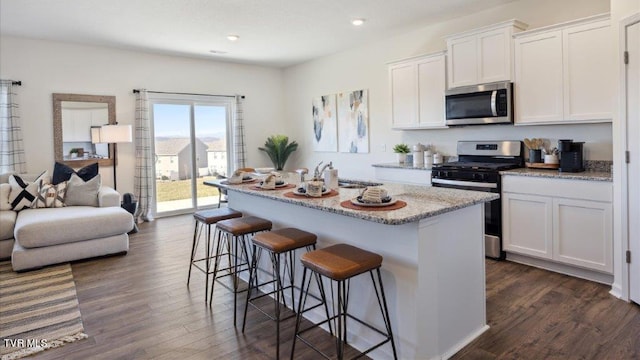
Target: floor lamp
112	134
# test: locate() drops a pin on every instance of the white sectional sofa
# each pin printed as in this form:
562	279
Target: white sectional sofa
34	238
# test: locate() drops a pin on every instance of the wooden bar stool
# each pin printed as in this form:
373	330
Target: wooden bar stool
277	242
232	235
340	263
204	219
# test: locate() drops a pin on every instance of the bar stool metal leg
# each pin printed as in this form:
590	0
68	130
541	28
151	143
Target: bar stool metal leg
204	219
339	263
281	245
194	246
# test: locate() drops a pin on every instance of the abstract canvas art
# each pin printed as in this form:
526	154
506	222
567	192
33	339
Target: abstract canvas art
353	121
325	126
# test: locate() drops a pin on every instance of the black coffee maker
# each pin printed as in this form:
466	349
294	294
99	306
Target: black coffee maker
571	154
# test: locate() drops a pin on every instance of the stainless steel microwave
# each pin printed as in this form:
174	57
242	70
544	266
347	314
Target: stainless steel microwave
480	104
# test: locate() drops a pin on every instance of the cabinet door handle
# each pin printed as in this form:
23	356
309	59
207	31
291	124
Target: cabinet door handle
494	95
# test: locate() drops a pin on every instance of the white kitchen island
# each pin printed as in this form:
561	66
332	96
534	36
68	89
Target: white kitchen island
433	267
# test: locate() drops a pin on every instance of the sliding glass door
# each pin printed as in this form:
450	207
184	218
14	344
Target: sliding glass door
190	142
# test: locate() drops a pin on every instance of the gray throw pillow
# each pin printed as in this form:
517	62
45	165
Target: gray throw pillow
81	193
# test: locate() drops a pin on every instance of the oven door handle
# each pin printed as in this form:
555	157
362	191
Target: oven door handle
494	97
465	183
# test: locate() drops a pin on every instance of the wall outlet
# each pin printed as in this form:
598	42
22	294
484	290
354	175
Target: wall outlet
383	147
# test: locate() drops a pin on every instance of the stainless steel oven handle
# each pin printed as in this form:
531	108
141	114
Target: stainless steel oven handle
494	96
465	183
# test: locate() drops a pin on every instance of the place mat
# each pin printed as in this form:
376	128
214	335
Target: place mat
39	305
293	195
288	186
225	182
398	205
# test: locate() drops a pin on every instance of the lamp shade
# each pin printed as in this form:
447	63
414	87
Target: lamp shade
112	134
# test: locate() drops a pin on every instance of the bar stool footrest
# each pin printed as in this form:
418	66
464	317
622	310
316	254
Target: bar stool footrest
387	337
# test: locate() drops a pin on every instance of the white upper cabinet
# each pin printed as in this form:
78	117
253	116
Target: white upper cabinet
588	71
403	81
482	55
538	78
564	73
417	88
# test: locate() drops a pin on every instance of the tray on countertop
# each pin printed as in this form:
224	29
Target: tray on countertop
542	166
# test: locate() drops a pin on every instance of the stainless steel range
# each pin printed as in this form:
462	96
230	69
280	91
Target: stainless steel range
477	168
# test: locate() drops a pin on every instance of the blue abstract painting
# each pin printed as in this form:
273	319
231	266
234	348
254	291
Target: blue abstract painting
325	127
353	121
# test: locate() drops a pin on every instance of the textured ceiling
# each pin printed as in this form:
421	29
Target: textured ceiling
272	32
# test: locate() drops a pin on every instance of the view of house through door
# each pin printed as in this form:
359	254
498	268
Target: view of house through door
632	35
190	141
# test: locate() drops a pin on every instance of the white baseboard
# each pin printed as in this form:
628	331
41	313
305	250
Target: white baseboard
586	274
466	341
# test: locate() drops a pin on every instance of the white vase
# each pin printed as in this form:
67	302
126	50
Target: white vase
402	158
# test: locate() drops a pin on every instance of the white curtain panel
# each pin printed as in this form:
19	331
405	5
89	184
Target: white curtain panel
11	145
239	146
144	177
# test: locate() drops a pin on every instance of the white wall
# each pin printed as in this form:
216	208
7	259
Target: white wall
46	67
364	67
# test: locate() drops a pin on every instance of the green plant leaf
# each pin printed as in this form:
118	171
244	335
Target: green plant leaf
279	149
401	149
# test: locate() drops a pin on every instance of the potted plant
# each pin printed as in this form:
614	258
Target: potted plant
278	148
402	150
73	153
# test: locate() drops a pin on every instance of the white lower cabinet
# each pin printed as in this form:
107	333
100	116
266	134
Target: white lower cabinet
403	175
582	234
563	221
527	224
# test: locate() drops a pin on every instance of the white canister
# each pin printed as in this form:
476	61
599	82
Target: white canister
418	158
418	155
331	178
551	159
437	158
428	159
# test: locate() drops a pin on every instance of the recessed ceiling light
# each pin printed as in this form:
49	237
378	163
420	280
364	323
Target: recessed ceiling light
357	22
233	37
217	52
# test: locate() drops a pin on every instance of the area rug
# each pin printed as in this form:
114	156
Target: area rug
38	310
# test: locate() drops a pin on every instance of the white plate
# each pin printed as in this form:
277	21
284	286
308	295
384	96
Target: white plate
277	185
264	170
355	201
326	191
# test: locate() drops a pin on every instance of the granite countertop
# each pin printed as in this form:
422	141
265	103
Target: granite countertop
422	201
396	165
585	175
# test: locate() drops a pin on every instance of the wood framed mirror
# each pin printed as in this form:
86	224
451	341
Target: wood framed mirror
74	117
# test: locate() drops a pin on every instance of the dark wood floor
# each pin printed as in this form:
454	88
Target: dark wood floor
139	307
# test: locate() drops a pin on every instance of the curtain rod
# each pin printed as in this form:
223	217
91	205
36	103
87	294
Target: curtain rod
135	91
19	83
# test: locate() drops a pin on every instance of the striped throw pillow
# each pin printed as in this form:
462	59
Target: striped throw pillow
50	196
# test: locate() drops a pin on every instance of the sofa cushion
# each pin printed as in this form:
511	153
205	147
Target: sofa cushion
83	193
5	190
7	222
62	172
50	196
23	192
45	227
